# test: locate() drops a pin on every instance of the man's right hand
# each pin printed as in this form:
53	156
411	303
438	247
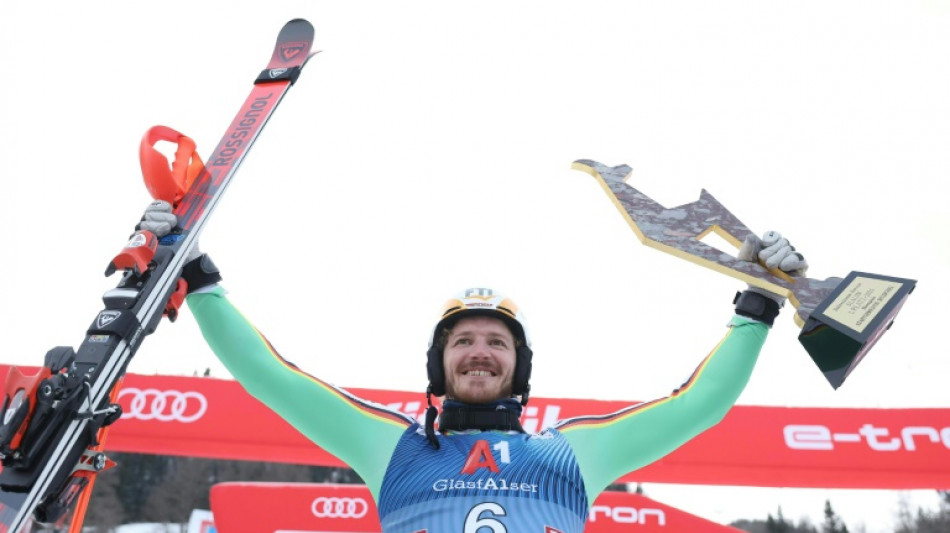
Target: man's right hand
158	218
199	271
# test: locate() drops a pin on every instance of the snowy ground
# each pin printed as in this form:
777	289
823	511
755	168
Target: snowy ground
152	528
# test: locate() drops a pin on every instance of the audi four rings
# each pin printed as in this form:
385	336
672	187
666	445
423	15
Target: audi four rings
332	507
162	405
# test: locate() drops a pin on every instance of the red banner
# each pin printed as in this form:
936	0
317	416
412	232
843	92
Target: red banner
322	508
757	446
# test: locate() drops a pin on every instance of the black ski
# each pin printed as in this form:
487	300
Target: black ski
51	420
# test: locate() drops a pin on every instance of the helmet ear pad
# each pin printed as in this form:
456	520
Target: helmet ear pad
436	370
520	385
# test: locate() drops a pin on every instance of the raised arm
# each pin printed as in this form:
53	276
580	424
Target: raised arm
610	446
360	433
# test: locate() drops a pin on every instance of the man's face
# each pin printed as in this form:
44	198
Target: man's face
479	360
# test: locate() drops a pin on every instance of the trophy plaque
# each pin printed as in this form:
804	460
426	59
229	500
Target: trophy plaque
841	318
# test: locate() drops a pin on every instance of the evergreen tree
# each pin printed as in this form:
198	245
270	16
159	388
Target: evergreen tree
105	511
833	523
926	521
777	524
138	476
750	526
184	487
156	488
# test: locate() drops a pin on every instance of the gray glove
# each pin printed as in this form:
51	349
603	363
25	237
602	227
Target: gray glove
199	271
772	251
158	218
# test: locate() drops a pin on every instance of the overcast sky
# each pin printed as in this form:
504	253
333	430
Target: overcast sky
428	149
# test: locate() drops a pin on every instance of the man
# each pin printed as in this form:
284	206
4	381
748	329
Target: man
479	471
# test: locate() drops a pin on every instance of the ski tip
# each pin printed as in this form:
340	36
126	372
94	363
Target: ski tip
298	26
293	45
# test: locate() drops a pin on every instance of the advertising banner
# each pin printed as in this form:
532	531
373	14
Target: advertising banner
753	445
325	508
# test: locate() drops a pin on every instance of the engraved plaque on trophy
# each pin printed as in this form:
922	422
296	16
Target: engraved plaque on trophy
841	330
841	319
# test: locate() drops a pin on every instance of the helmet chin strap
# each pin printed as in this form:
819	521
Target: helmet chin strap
431	414
525	394
499	415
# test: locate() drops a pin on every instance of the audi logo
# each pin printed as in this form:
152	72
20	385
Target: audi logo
163	405
332	507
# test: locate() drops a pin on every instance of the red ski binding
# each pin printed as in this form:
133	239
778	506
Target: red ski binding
18	405
136	255
177	298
